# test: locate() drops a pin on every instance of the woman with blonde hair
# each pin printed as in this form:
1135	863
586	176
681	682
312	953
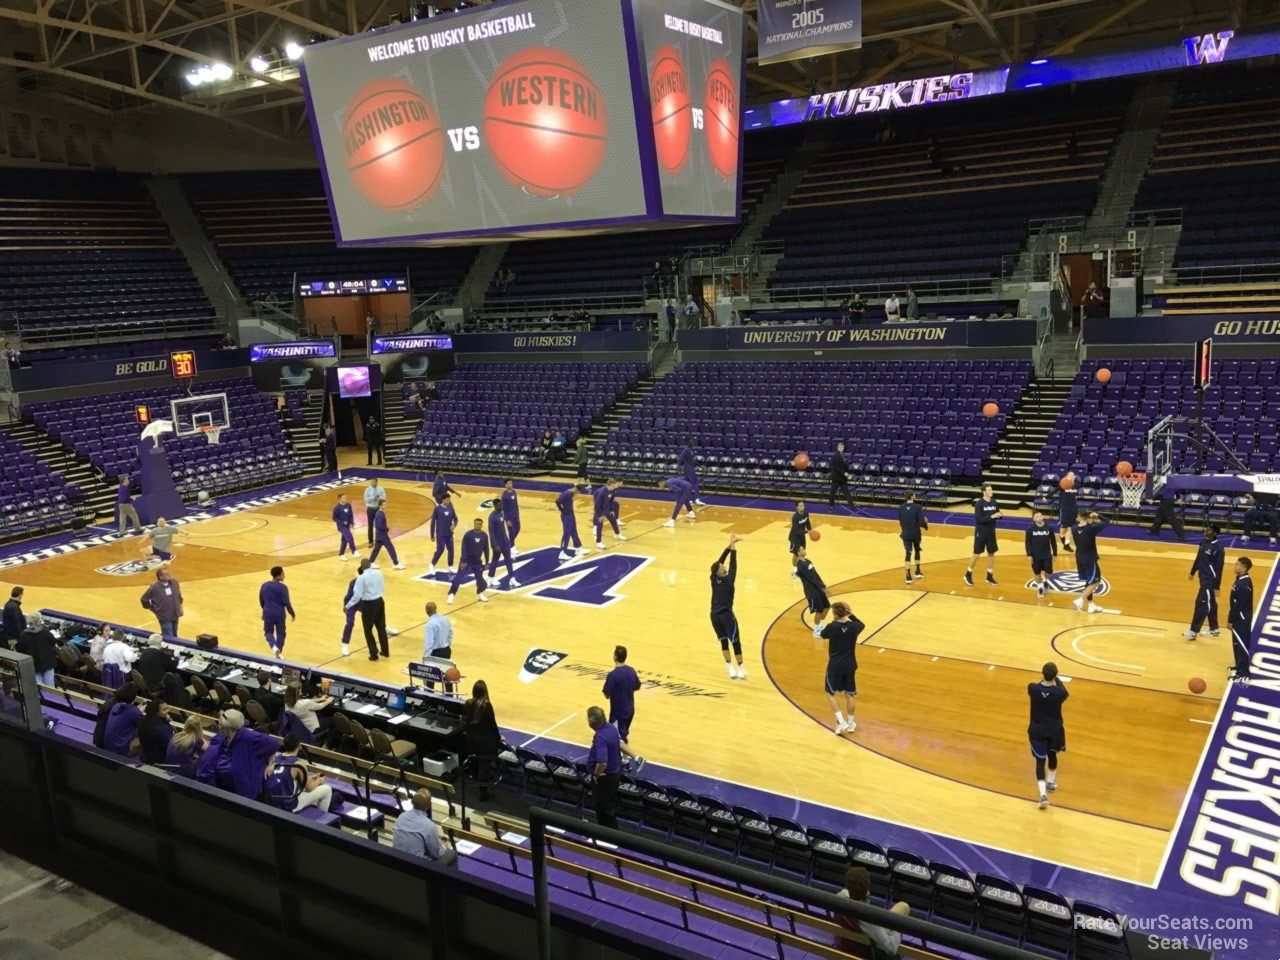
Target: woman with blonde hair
186	747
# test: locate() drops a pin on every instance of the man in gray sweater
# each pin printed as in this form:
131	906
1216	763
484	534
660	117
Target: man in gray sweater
164	599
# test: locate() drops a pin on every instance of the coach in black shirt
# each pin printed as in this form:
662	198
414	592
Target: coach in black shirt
154	662
839	476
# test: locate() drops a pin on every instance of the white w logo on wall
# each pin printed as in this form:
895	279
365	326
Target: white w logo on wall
1070	582
1211	48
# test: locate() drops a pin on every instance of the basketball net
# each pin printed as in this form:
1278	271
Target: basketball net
1132	488
212	434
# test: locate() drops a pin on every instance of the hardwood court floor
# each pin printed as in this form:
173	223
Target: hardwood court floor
941	742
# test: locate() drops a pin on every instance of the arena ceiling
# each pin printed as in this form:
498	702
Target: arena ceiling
119	57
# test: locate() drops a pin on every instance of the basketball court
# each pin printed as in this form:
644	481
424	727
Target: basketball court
942	711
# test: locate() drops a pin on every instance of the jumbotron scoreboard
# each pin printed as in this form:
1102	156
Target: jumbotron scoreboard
522	117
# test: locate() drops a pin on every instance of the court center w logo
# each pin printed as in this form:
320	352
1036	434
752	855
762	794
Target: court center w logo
1068	581
591	581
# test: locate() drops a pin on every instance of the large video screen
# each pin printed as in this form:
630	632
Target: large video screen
510	115
693	53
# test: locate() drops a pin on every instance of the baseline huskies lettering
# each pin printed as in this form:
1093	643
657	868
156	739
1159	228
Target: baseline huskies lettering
592	581
1210	48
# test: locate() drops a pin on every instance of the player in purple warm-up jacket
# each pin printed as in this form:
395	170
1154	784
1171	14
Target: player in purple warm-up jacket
475	554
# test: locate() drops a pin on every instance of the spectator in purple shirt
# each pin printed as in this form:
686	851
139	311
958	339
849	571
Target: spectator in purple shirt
236	758
121	730
620	686
124	506
605	764
164	599
273	597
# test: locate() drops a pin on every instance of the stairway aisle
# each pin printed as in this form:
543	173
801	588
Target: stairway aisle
1019	445
304	441
96	493
398	429
610	419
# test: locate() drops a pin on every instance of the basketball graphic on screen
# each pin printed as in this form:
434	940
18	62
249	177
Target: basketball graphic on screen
545	122
721	121
394	144
672	118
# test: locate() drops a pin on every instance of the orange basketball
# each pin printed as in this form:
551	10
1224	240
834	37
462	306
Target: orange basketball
1103	375
452	675
672	118
1124	468
801	461
545	122
720	104
815	535
394	144
1067	482
990	409
1196	685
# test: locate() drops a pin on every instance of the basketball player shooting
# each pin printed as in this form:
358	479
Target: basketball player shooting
1087	566
724	575
985	514
1046	733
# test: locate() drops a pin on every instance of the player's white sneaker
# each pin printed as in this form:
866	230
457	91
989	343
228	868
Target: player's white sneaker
1044	801
1094	608
1244	539
840	728
621	524
581	551
399	566
742	672
564	556
619	537
513	582
355	554
483	597
431	570
1215	633
690	515
1189	635
346	649
342	557
276	651
850	725
698	503
733	673
451	571
599	544
1078	603
450	600
817	631
1051	786
514	553
669	523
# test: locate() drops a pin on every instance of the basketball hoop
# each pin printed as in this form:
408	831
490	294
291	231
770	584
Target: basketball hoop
1132	487
212	434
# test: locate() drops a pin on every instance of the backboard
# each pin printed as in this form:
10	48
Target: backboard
189	414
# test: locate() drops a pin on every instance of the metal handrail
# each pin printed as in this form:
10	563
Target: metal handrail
540	819
1223	273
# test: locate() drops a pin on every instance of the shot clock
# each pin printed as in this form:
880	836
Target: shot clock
182	365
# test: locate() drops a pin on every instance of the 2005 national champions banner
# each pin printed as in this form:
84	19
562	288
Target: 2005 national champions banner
792	29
